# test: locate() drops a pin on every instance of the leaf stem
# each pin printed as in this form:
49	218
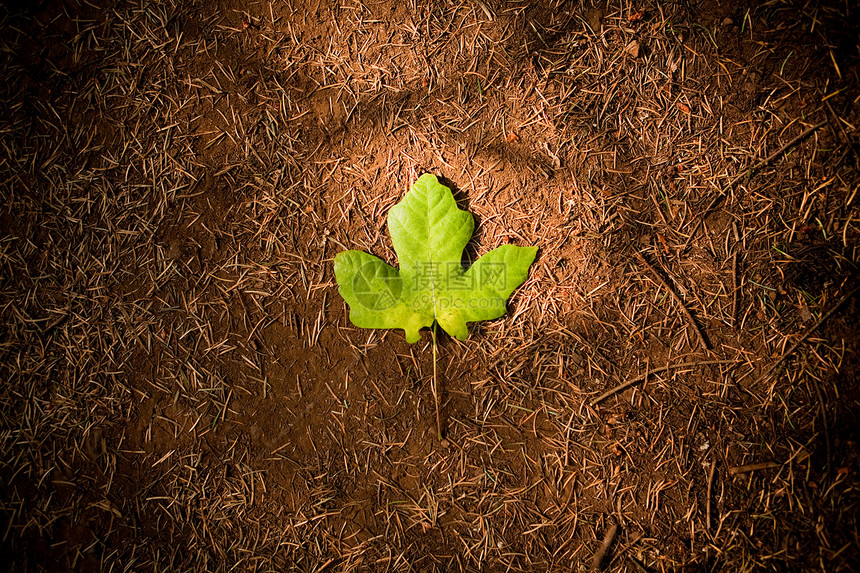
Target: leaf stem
436	389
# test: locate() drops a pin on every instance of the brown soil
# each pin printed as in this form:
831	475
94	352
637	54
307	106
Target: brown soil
183	388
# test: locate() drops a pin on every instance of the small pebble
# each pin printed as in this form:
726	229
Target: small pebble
593	17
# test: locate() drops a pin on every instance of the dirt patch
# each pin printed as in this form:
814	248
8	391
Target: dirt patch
185	390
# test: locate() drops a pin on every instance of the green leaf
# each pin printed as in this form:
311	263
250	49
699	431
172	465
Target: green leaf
429	234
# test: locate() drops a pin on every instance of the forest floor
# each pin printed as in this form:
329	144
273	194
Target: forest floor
674	387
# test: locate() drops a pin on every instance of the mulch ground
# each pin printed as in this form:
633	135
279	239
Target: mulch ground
674	388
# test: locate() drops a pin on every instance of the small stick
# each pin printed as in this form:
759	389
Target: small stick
597	563
702	340
746	175
710	490
781	150
824	423
734	288
633	381
806	335
850	142
752	468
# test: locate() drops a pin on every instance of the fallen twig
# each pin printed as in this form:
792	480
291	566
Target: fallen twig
746	175
734	288
752	468
702	340
806	335
780	151
608	538
709	492
825	423
633	381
